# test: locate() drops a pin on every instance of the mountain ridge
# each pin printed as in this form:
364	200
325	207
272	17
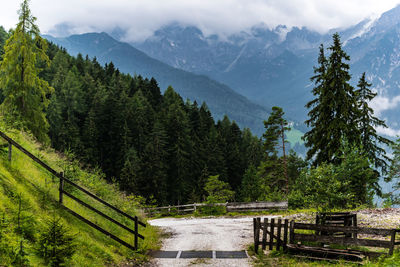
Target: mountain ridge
273	66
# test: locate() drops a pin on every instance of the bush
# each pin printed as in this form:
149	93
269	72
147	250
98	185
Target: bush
321	188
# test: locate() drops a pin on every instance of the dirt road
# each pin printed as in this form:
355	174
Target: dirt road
205	234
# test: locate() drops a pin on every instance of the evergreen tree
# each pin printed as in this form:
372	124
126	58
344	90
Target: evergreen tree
275	127
367	123
55	245
334	110
24	91
3	38
251	188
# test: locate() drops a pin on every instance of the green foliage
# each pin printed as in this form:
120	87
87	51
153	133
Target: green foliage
275	128
153	145
273	169
340	115
24	91
251	188
368	124
330	186
28	192
218	191
334	109
3	38
55	244
321	188
394	174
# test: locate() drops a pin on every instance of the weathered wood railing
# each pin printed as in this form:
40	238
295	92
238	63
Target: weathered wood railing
230	207
351	235
62	192
336	219
276	233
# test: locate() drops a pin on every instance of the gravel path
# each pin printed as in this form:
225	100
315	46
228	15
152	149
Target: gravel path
234	234
219	234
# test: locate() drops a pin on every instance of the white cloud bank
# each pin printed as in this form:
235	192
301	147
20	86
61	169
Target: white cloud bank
380	104
142	17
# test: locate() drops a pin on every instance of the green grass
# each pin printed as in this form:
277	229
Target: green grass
278	258
294	136
38	190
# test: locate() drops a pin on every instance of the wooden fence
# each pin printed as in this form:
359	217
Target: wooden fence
291	237
62	192
230	207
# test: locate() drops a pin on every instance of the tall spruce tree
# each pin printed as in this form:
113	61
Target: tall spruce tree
367	123
24	91
334	111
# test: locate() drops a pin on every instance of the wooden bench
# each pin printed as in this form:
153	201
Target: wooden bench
350	238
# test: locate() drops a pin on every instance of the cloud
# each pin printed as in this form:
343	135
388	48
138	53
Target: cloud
140	18
388	131
381	103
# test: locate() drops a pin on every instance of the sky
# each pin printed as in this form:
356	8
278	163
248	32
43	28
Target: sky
140	18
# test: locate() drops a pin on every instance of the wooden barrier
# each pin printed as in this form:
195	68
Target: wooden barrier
256	206
351	237
336	219
278	233
274	233
230	207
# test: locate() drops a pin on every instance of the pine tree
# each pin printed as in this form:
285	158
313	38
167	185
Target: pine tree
56	244
367	123
276	126
334	110
24	91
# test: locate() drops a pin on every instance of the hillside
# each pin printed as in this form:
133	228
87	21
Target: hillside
23	182
220	98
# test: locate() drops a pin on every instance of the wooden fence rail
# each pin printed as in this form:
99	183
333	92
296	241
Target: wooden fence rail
230	207
290	236
62	192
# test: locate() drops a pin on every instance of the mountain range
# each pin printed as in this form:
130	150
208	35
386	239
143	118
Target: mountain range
274	66
247	73
220	99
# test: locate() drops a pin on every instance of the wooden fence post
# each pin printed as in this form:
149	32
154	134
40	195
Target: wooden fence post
264	236
271	234
355	225
256	226
285	234
194	207
61	188
291	232
278	235
136	233
9	151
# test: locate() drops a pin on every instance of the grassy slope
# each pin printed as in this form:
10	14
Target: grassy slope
294	136
22	178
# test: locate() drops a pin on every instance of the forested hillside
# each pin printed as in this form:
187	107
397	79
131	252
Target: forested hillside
220	98
154	145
